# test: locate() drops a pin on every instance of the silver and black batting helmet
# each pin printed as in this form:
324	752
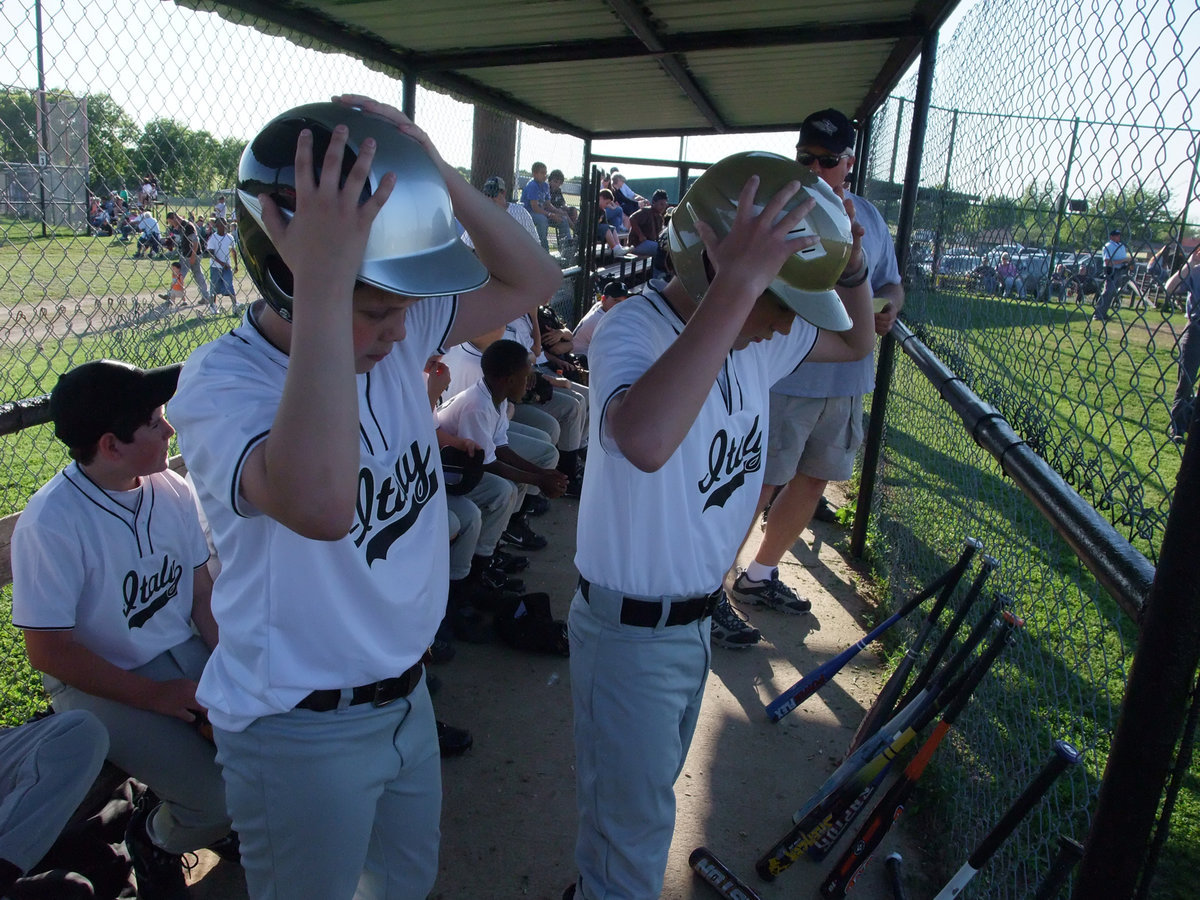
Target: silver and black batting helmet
413	248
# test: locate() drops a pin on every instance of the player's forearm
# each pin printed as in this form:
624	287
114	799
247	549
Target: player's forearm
513	466
310	458
58	654
847	346
650	420
202	616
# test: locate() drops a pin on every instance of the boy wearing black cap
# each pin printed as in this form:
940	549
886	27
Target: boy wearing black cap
109	577
612	294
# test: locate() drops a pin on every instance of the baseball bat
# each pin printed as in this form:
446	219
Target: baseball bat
705	863
821	847
818	677
847	869
852	784
881	709
846	809
1070	852
987	567
895	880
1064	755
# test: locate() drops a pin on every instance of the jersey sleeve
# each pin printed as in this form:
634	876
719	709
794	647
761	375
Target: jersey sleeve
474	426
223	409
785	352
626	343
48	575
428	323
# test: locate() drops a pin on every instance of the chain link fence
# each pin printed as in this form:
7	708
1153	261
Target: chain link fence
1040	142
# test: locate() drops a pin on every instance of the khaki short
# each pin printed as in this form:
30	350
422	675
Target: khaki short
816	436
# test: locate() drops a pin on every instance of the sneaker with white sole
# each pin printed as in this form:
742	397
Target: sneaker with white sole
772	592
729	629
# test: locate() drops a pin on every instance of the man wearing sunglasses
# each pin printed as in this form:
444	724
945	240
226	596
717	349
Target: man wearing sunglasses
816	412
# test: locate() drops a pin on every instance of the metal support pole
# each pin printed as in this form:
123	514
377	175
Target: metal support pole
887	347
941	224
408	105
42	117
589	187
1155	705
1062	198
895	152
862	154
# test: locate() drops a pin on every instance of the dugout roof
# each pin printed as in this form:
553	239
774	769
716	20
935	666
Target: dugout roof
627	68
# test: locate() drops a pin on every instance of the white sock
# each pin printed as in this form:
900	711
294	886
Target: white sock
756	571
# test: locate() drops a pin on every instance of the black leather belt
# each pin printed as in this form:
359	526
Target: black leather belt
646	613
378	693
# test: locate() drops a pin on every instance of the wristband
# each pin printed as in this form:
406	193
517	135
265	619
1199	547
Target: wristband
854	279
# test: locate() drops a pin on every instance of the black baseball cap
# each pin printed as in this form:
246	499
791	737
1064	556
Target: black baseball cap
615	289
1116	231
107	395
827	128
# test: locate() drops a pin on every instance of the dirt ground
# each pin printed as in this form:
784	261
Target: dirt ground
508	820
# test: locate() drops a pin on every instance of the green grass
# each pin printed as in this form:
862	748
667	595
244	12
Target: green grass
1095	403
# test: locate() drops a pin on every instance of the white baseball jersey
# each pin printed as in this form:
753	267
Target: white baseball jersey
518	212
521	331
474	415
298	615
116	567
581	337
676	531
465	362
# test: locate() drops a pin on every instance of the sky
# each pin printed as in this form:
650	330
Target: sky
157	59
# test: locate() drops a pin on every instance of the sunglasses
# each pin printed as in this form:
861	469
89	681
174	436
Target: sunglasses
826	162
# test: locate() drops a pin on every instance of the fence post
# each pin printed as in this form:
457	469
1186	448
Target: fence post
1062	200
1155	704
887	347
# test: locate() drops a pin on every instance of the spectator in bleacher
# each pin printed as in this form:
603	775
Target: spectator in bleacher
150	242
1084	284
646	225
629	199
496	189
1008	278
1058	284
558	201
190	252
612	294
46	769
100	220
222	264
536	199
613	222
1183	408
109	579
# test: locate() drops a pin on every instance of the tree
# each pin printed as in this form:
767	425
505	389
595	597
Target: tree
18	126
112	135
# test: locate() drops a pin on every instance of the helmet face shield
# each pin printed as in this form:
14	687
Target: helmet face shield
805	283
413	248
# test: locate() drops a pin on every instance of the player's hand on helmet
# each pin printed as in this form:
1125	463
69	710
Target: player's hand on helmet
758	245
176	698
389	112
325	209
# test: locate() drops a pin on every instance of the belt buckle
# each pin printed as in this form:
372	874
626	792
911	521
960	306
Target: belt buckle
384	696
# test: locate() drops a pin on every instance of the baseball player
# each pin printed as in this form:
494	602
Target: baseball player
816	412
680	390
1116	273
46	769
308	433
109	577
